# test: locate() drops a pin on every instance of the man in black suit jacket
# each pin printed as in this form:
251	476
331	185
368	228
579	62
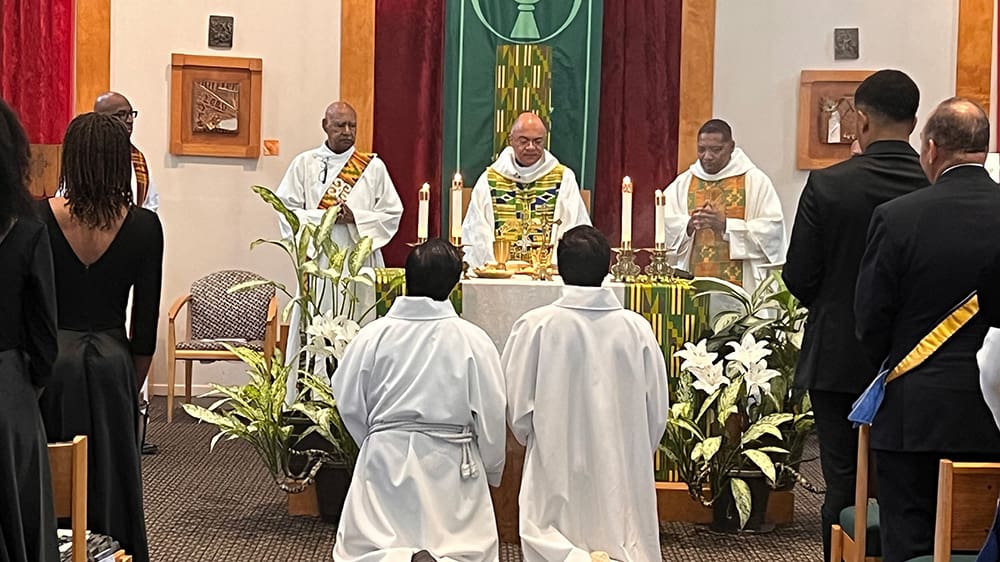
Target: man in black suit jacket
821	269
925	255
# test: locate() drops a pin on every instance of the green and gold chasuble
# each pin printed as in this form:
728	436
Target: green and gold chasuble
710	254
517	203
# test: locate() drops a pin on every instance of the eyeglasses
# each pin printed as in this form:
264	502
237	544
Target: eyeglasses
322	174
124	115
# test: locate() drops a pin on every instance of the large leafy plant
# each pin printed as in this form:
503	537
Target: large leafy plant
771	313
326	296
723	421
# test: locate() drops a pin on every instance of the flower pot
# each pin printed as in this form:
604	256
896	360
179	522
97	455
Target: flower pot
725	516
332	481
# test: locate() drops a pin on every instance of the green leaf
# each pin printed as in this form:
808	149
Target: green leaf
767	425
269	197
724	320
711	446
742	499
283	244
777	450
762	461
304	239
727	400
337	260
359	255
708	403
325	227
248	285
685	424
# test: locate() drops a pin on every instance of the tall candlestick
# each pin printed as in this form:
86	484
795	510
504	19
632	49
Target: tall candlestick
626	212
456	208
423	210
661	235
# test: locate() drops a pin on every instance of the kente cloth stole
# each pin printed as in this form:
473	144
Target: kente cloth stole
342	185
710	254
141	176
867	405
514	203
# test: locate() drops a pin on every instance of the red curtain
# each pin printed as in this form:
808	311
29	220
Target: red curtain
409	56
640	82
36	65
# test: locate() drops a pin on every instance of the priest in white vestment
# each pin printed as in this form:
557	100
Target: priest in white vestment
421	391
587	395
526	182
336	173
723	217
989	354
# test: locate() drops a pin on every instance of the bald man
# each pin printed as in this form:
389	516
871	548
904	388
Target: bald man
336	173
925	255
143	189
525	167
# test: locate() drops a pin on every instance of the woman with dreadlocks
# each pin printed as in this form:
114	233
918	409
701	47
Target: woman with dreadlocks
27	350
103	246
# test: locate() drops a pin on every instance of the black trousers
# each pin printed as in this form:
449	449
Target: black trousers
838	455
907	499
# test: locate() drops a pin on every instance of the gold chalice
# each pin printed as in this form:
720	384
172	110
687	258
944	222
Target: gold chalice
501	253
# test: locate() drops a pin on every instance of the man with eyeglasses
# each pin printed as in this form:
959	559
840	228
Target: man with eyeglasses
143	189
525	183
337	174
723	217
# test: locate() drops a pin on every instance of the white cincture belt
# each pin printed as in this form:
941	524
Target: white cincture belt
457	434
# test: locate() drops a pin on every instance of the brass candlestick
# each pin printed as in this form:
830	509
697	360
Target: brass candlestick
456	241
658	268
625	269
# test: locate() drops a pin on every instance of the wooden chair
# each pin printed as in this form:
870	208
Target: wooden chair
849	542
68	464
215	314
966	505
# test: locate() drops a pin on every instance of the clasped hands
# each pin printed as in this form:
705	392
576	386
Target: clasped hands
707	217
346	215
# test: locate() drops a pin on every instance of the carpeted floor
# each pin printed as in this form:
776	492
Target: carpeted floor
220	506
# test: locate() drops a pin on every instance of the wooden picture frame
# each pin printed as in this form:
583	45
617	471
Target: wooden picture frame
821	94
215	106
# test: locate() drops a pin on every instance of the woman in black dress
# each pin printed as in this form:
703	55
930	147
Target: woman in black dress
102	246
27	350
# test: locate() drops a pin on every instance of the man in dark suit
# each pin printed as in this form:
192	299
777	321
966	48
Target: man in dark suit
925	255
828	240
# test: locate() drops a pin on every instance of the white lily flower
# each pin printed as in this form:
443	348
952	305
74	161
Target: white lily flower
696	356
758	377
709	379
748	352
331	334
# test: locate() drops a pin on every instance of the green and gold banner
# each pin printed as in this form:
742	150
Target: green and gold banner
505	57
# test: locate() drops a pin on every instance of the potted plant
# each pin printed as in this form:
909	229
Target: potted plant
772	314
286	411
723	434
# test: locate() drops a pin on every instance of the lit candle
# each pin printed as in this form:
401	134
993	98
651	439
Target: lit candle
456	208
423	210
626	212
661	235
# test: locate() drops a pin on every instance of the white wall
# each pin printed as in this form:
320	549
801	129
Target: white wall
762	45
209	214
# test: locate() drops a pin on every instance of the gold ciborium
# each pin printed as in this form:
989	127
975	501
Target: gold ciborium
501	253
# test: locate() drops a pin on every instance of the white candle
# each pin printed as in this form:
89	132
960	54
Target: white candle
661	235
456	207
423	210
626	212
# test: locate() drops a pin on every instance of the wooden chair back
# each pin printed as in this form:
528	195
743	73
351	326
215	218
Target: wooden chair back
68	465
966	505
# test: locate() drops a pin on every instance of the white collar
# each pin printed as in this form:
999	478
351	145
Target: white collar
588	298
506	165
738	165
324	153
421	308
961	166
